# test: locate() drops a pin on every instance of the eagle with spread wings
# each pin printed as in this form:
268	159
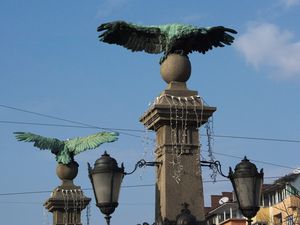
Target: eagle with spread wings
170	38
65	150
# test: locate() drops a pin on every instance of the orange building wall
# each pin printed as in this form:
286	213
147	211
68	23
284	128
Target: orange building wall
287	207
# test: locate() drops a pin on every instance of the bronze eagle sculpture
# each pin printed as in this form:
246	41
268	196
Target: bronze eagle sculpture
170	38
65	150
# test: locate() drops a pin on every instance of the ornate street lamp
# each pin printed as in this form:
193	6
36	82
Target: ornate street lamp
106	178
247	185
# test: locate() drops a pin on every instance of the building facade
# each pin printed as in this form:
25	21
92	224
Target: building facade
280	205
224	210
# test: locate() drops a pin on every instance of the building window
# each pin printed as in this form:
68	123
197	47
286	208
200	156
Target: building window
272	199
266	200
214	220
277	219
220	218
234	214
280	196
294	191
290	220
227	216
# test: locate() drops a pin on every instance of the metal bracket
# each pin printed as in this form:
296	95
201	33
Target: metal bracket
142	163
214	164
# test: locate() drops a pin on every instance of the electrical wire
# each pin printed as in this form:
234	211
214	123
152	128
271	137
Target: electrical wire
142	131
85	125
21	203
120	130
70	126
40	203
254	160
125	186
134	130
257	138
84	189
65	120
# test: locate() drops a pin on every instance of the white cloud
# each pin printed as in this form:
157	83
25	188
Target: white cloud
290	3
265	45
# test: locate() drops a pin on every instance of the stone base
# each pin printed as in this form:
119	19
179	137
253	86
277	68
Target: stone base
66	203
176	116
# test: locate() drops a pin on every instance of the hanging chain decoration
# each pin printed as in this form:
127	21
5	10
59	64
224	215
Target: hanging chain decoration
178	167
210	142
75	195
148	145
210	138
199	155
73	215
178	110
172	130
74	202
66	205
179	114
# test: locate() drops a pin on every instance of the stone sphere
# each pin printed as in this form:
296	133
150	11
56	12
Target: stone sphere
176	68
67	172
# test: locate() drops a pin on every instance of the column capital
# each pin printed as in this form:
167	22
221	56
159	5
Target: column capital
66	203
179	105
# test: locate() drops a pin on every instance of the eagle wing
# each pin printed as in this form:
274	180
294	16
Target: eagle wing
205	39
136	38
80	144
39	141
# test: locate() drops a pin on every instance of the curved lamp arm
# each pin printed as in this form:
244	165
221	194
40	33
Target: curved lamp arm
141	163
215	164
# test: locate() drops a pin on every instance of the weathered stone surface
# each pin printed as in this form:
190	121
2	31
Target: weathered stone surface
176	68
67	200
175	117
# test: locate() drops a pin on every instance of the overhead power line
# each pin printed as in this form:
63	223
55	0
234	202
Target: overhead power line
257	138
254	160
121	130
65	120
84	189
125	186
21	203
142	131
70	126
85	125
46	115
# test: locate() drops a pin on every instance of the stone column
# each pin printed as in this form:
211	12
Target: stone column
175	117
67	200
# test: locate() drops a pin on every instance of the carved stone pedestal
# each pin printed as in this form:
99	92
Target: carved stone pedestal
176	116
67	200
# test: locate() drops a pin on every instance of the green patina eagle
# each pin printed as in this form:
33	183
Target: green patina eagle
170	38
65	150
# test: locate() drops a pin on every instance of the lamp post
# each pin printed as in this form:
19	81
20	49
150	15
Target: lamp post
247	185
106	179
